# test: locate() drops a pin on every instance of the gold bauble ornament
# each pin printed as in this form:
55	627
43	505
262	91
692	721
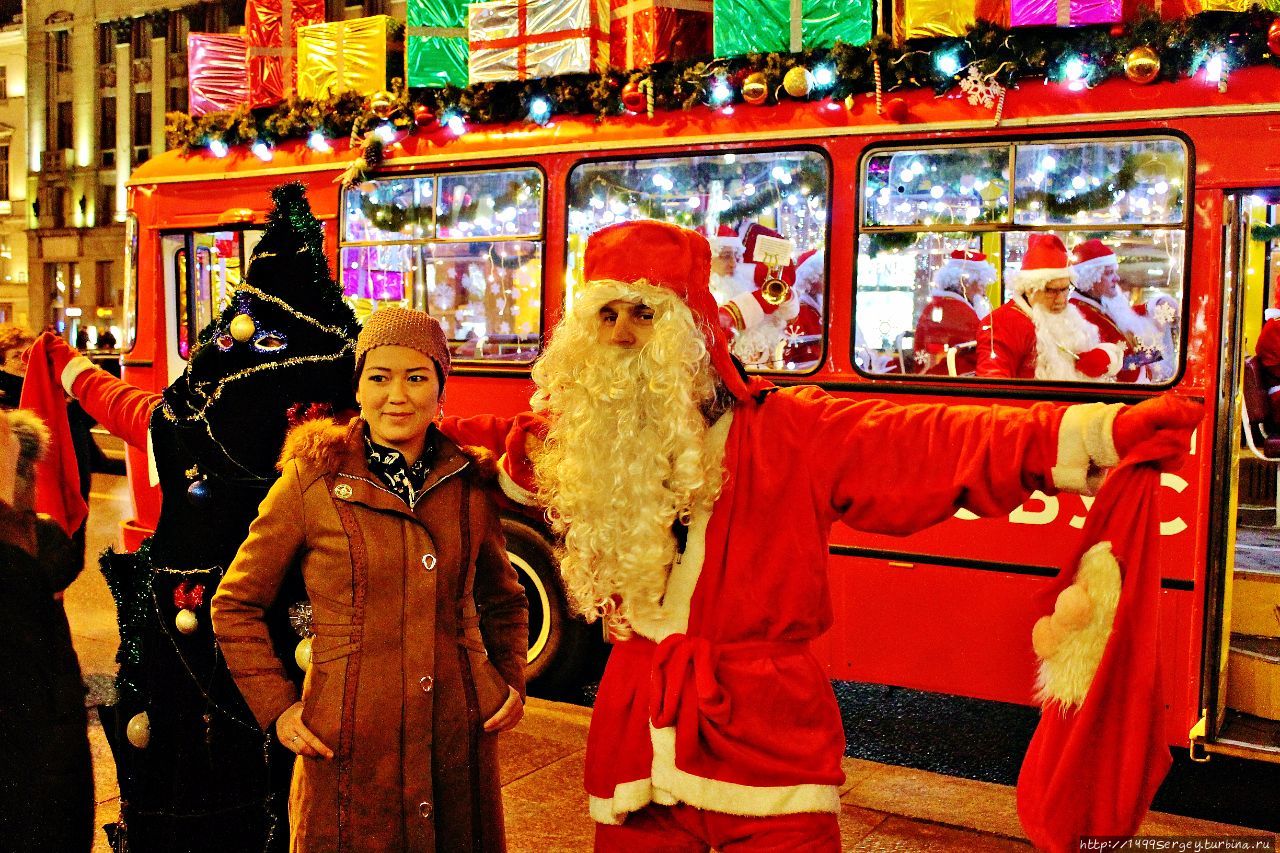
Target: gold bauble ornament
186	621
1141	65
755	90
139	730
382	103
302	654
797	82
242	327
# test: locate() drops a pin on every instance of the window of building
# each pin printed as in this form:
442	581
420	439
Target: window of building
141	125
4	171
177	97
106	44
61	50
176	33
466	248
140	39
923	307
104	204
4	81
62	126
766	215
107	129
104	285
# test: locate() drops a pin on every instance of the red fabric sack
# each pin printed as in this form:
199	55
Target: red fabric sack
57	475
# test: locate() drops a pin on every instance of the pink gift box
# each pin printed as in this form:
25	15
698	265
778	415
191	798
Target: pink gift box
1064	13
216	72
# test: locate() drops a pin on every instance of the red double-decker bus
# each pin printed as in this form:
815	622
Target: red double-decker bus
484	227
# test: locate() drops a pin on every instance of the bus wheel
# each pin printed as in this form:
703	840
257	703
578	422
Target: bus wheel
559	645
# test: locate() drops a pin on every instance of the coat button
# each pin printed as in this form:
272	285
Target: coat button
429	562
427	683
424	810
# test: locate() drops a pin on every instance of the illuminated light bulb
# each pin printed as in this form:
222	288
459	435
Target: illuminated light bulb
539	109
727	110
317	142
1215	68
456	124
907	176
1048	163
749	189
730	159
936	191
1074	72
1161	187
948	64
1078	182
385	132
793	199
823	77
218	148
721	92
262	151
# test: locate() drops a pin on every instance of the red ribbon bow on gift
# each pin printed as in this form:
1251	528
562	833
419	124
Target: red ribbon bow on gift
188	596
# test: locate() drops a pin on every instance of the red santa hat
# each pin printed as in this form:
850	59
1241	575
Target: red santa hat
1044	261
1093	254
968	264
726	238
676	259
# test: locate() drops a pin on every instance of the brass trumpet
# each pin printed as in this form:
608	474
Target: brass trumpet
775	291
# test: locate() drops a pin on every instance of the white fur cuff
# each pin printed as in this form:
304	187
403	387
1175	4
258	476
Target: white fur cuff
1116	353
72	371
1085	445
749	309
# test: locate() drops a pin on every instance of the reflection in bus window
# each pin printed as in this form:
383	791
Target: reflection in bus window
942	243
205	286
766	217
466	248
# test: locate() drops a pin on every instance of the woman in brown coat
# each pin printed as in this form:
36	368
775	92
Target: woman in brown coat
421	627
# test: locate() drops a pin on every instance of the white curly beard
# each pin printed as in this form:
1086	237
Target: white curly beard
1067	329
624	456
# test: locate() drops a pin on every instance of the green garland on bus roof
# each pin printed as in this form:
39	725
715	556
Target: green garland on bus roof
1007	56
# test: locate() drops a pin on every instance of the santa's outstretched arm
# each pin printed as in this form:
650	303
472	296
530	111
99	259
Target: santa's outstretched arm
509	439
122	409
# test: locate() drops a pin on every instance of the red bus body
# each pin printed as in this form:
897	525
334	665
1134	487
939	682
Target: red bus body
945	610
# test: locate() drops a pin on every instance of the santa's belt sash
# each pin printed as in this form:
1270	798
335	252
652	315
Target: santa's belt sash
684	668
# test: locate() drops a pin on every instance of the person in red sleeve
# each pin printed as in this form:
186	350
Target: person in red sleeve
1268	353
947	331
1097	297
1038	334
663	467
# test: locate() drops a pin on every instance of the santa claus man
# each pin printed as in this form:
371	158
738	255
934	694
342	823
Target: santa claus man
947	331
1038	334
1268	353
730	277
1103	303
663	469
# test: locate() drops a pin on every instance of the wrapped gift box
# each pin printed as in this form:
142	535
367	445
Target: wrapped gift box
945	18
788	26
1063	13
519	39
216	72
642	32
271	27
436	48
340	56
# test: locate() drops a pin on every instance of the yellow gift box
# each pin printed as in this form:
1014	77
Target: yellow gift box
343	56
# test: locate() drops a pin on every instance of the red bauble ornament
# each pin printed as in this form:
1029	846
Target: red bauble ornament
895	109
1273	38
422	116
1117	30
633	100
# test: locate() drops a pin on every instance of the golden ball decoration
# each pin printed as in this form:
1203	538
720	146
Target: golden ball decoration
755	89
302	654
1141	65
242	327
382	103
186	621
139	730
798	82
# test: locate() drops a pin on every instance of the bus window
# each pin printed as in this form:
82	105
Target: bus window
205	285
943	233
733	198
465	247
130	336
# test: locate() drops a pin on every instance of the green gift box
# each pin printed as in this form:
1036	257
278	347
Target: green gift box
437	43
788	26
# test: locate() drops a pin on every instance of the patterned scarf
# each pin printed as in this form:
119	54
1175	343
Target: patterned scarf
389	466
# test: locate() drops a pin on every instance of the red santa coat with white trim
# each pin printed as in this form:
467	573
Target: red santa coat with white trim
1108	331
717	701
1268	353
1007	343
948	320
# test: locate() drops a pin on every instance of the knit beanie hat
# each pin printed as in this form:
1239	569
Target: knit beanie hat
404	327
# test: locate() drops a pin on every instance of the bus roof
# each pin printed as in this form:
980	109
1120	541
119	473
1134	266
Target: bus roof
1250	90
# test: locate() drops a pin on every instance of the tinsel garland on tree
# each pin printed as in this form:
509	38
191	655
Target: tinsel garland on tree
1005	55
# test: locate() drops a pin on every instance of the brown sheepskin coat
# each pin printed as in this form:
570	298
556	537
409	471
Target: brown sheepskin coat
420	623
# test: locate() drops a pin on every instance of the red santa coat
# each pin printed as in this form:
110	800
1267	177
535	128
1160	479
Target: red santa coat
804	335
1268	353
948	321
1108	331
1007	343
717	700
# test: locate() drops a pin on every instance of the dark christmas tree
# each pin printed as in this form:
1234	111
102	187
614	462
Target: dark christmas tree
196	773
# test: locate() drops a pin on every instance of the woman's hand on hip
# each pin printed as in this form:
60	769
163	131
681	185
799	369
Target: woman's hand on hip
511	712
300	739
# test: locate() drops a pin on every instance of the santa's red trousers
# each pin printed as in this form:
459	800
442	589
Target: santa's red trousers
684	829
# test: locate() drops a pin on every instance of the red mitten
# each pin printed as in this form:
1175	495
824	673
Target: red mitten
58	354
1167	414
527	428
1094	363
